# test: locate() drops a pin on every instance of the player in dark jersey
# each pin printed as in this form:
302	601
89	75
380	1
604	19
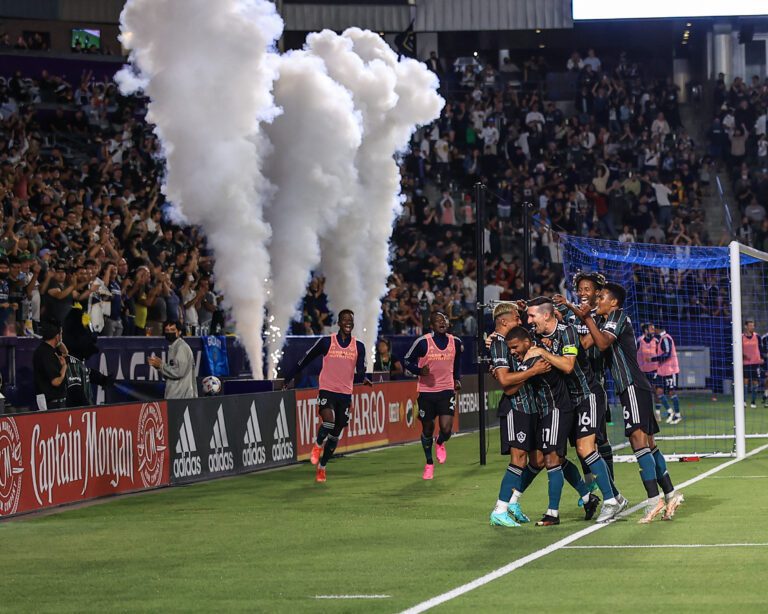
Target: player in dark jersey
616	337
343	365
556	416
518	419
436	359
559	345
587	286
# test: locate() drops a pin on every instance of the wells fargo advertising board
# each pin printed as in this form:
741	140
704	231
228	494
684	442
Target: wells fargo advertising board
51	458
380	415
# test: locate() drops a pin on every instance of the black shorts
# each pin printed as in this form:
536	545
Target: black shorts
590	416
752	372
668	382
638	411
653	379
554	429
339	403
432	404
518	431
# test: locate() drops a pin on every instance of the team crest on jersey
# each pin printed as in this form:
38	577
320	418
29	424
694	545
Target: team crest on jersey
521	437
323	401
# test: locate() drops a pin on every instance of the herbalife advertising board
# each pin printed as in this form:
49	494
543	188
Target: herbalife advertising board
216	436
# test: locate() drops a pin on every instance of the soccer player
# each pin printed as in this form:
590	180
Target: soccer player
616	337
436	359
587	286
750	349
560	347
518	419
647	351
667	372
343	365
556	416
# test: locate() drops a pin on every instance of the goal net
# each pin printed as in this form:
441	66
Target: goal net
702	297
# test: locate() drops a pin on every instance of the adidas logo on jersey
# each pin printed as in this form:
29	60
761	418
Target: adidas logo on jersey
254	453
220	458
283	448
188	463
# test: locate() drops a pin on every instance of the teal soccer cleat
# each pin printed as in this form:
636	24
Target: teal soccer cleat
502	519
517	513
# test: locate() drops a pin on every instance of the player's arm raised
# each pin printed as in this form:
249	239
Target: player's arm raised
603	340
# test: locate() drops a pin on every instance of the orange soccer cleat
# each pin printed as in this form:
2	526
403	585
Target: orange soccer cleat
320	475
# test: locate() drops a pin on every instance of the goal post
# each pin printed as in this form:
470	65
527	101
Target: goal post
702	297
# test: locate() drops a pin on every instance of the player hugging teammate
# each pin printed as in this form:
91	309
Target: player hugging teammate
558	368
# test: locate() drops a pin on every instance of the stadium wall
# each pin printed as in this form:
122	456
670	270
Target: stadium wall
66	457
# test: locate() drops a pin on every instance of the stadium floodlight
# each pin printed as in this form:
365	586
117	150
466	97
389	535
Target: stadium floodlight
703	297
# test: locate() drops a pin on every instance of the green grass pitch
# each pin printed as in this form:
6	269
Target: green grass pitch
272	542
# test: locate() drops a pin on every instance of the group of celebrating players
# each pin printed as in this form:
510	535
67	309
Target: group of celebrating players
552	371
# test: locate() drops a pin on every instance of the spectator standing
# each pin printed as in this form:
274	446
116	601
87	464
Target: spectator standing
179	370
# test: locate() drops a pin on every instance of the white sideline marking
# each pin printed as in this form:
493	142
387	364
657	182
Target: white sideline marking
642	546
739	477
509	568
352	596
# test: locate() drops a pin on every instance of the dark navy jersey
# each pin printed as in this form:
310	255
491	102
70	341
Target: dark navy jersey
550	387
622	353
564	341
524	400
594	355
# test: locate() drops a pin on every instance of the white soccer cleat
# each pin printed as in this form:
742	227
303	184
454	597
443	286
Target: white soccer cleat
677	419
654	508
672	505
670	418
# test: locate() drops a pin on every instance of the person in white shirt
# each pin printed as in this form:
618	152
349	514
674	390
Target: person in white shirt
593	61
490	136
627	236
660	126
662	200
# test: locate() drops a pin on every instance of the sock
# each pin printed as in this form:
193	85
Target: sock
658	408
600	469
573	477
676	404
665	401
442	438
662	475
529	474
324	431
588	476
556	481
328	450
553	512
754	394
606	451
516	494
501	507
647	471
510	481
426	443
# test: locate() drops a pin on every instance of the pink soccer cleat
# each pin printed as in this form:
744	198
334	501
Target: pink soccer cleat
317	451
440	452
429	472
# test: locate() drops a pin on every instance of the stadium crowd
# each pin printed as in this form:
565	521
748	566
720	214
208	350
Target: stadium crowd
82	219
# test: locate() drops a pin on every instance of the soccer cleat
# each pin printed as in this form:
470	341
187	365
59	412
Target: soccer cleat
548	521
517	513
593	486
317	451
672	506
670	418
653	509
429	472
320	475
502	519
440	452
590	507
609	511
677	419
752	405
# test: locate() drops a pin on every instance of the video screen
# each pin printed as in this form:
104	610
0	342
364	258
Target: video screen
656	9
86	38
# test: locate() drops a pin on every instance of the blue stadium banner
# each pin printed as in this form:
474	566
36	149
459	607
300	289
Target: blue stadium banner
215	352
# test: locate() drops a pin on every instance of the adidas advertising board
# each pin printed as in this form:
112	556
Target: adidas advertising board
224	435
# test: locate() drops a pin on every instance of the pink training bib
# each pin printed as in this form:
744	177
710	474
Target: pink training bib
338	371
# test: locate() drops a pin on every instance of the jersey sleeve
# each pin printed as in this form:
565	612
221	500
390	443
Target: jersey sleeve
614	323
457	358
499	354
570	345
360	366
320	348
411	360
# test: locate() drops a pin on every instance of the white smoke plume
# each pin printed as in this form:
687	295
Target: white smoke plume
314	142
394	97
204	65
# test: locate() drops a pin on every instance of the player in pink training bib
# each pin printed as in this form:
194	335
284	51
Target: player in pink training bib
436	359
